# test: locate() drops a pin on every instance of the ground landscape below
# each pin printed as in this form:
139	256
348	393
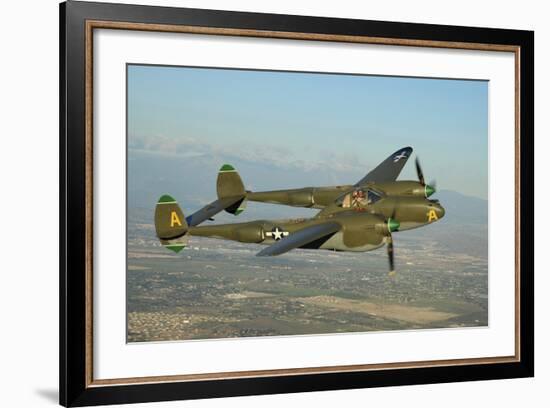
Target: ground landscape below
220	289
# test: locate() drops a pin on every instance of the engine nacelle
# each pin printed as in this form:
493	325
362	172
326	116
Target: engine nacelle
302	197
404	188
252	234
386	228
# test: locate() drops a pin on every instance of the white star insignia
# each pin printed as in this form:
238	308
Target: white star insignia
277	233
402	155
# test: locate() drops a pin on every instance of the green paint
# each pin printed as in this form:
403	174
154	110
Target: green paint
166	199
227	167
429	190
393	225
175	247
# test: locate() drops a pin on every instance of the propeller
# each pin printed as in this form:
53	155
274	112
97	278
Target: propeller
389	248
393	225
429	189
419	172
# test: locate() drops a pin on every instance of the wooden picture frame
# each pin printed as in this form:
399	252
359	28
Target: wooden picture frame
78	20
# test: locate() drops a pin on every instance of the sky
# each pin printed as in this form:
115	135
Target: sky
308	121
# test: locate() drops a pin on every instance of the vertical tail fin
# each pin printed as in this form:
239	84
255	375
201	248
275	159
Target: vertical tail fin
229	184
170	224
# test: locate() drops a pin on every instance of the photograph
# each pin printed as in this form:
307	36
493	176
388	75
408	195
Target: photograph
257	202
287	203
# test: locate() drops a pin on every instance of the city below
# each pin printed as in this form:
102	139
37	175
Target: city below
220	289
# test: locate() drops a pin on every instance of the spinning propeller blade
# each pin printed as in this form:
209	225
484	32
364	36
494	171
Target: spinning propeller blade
429	189
419	172
393	225
389	248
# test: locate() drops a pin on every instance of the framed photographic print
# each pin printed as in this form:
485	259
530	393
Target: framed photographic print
256	203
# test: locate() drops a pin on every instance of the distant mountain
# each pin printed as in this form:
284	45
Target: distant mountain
463	209
191	179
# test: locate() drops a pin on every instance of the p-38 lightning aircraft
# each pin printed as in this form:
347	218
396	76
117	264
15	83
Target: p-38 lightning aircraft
358	217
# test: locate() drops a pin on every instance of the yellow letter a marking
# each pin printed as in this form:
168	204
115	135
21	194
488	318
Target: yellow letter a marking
174	219
432	216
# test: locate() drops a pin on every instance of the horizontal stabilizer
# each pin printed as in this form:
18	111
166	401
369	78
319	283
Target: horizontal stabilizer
208	211
300	238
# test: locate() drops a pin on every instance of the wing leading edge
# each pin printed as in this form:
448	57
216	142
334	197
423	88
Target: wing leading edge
389	169
300	238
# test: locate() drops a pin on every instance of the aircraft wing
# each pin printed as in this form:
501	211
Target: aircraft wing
300	238
211	209
389	169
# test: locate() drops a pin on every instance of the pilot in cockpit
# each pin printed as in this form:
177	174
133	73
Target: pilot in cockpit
359	199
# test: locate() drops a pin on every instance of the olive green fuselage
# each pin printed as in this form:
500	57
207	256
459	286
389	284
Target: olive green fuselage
321	197
363	225
349	238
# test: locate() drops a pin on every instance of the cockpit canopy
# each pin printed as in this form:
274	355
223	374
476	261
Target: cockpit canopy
358	198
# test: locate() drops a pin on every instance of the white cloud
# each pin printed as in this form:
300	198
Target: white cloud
276	156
